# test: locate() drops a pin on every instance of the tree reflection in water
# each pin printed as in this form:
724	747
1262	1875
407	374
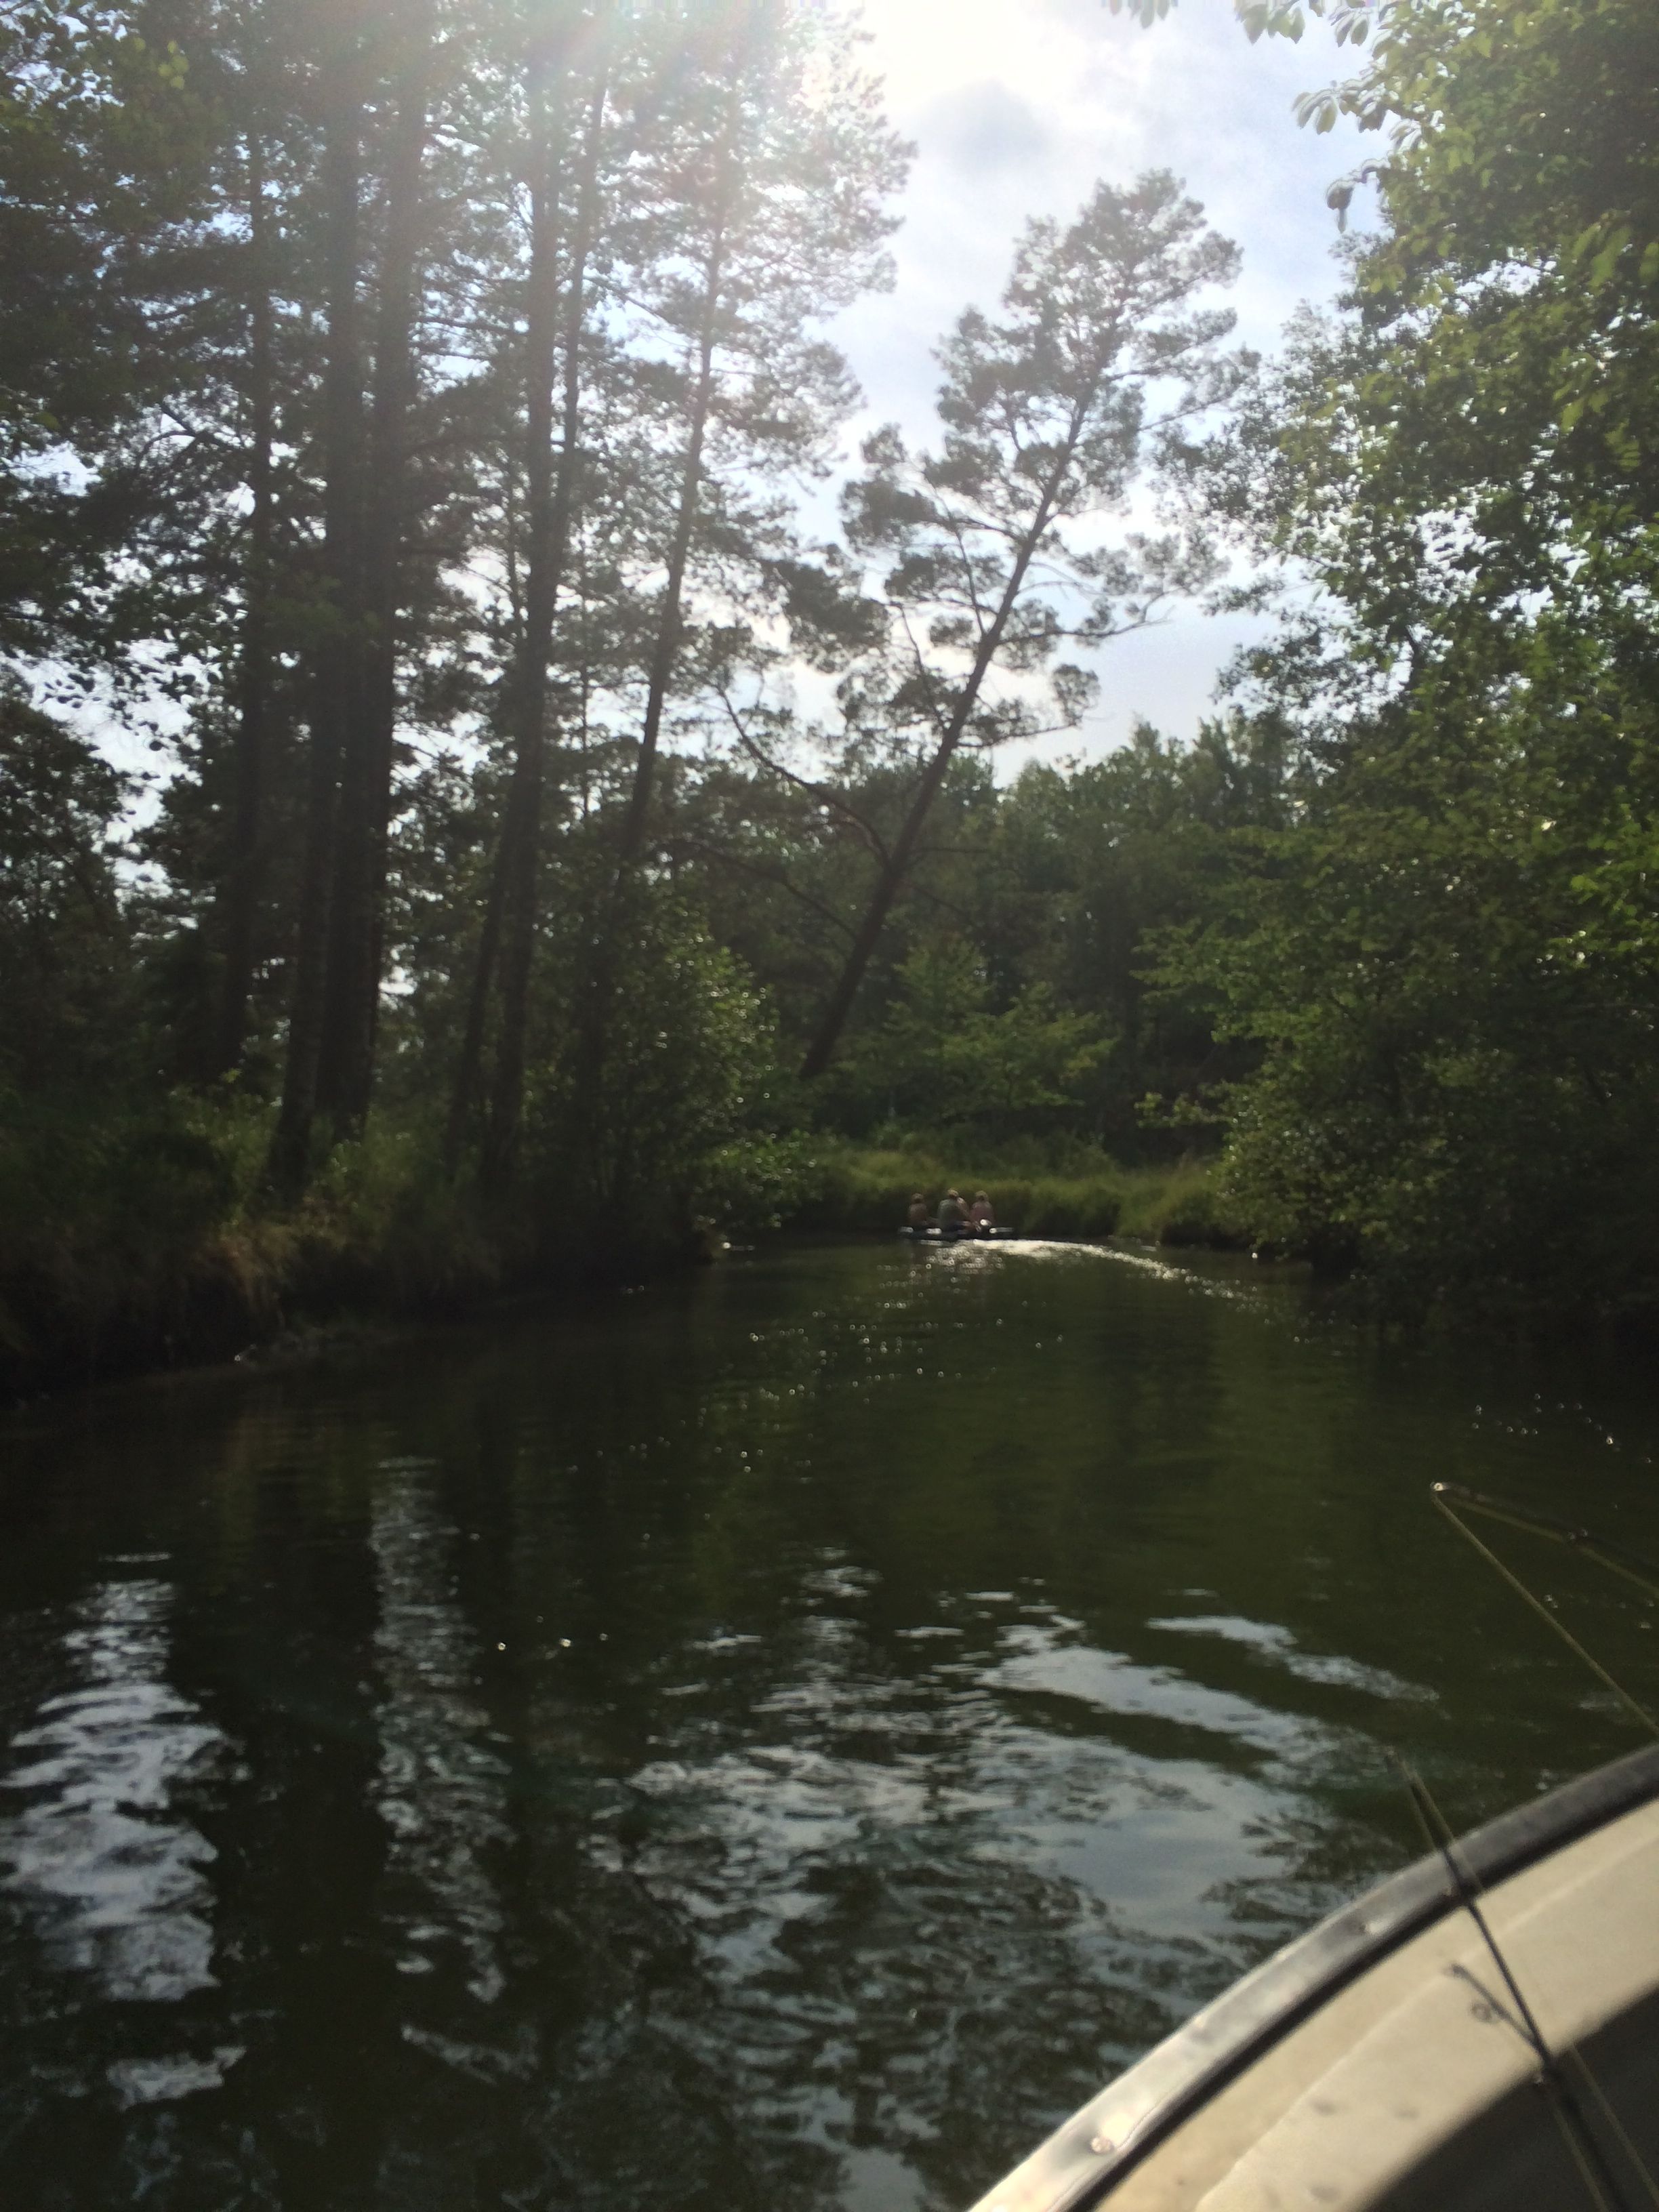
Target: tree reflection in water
442	1785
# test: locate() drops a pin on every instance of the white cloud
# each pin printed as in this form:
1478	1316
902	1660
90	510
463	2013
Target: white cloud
985	127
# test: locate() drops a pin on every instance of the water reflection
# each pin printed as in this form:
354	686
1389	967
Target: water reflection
920	1902
786	1737
1050	1661
113	1875
1276	1646
443	1784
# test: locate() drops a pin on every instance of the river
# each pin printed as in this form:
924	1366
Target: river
784	1737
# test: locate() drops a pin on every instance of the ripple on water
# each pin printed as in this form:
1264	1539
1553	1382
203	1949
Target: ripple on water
110	1872
1278	1646
441	1788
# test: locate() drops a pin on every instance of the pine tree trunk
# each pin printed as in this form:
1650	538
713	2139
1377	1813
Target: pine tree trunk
471	1056
631	844
241	886
593	1024
552	504
337	654
508	931
356	923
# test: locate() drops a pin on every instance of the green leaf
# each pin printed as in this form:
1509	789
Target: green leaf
1608	258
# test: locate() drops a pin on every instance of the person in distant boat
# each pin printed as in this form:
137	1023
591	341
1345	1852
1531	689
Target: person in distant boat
982	1212
919	1214
953	1213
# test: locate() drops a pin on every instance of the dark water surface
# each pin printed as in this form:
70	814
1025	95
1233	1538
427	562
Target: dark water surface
779	1740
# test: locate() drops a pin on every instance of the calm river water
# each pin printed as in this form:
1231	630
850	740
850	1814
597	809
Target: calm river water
781	1739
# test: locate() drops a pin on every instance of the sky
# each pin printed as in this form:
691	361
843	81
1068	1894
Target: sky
1016	108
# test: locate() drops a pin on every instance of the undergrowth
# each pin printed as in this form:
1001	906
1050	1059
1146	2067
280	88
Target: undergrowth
1071	1190
152	1241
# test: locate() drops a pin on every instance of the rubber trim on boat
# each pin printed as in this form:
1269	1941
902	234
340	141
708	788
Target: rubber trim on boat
1167	2085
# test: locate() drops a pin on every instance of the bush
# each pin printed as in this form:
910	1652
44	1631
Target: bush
627	1142
758	1181
1183	1205
123	1241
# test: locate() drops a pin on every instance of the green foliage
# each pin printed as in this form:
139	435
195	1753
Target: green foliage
65	997
1185	1204
1444	948
689	1075
759	1181
1486	421
1455	982
943	1058
123	1238
1038	898
1100	362
869	1189
383	1227
1088	867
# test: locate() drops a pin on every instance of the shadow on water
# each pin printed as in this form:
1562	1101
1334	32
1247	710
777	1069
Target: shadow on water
785	1735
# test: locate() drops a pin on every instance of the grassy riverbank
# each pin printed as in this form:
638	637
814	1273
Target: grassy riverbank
1072	1191
152	1243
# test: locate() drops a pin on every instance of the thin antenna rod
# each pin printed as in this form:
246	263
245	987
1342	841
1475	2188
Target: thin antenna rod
1594	2169
1618	1558
1438	1492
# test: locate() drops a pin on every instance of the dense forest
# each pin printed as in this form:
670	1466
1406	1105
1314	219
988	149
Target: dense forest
418	427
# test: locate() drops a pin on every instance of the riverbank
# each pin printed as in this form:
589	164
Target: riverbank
129	1248
77	1307
147	1248
1082	1193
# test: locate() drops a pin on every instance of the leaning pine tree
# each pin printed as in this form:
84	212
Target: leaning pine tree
1103	362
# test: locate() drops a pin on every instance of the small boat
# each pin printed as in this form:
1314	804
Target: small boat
966	1234
1480	2033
